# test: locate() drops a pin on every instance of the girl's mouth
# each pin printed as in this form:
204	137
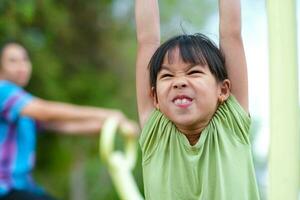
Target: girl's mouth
182	101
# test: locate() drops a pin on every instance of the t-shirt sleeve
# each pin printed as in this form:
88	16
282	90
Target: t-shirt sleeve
236	119
152	132
12	100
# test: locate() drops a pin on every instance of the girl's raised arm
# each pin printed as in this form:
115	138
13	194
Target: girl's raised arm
231	45
148	40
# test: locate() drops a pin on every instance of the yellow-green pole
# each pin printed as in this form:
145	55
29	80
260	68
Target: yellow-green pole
284	110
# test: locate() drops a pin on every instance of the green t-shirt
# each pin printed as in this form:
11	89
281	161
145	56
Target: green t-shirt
218	167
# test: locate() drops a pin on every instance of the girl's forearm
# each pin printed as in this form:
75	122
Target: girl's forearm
230	18
232	47
147	21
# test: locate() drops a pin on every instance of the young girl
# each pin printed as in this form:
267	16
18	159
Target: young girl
193	107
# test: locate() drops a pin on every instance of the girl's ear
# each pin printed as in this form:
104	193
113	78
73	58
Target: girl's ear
154	96
224	90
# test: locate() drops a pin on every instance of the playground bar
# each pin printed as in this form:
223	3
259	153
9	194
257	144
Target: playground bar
284	107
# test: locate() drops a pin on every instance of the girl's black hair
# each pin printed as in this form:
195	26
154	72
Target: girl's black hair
193	49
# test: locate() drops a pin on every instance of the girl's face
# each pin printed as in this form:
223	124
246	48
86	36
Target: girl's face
188	94
15	65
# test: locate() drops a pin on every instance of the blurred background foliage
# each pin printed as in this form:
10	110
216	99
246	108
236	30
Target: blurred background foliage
84	52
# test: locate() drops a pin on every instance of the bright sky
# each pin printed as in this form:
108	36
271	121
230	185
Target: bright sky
256	46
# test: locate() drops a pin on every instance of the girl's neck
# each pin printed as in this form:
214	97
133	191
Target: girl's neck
192	134
193	139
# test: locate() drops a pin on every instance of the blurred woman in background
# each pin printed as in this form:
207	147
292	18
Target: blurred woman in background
20	115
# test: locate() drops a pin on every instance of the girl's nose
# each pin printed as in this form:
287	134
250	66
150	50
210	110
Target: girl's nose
180	83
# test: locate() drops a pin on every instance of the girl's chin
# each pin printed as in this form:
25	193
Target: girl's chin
184	122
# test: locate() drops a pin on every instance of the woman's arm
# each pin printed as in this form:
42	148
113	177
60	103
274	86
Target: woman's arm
44	110
70	118
148	40
231	45
87	127
74	127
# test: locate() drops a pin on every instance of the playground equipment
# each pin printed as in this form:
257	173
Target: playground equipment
120	165
284	153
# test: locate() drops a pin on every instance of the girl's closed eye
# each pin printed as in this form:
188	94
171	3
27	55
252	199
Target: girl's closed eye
166	75
195	72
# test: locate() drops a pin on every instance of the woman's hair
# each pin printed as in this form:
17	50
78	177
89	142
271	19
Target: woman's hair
5	43
193	49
